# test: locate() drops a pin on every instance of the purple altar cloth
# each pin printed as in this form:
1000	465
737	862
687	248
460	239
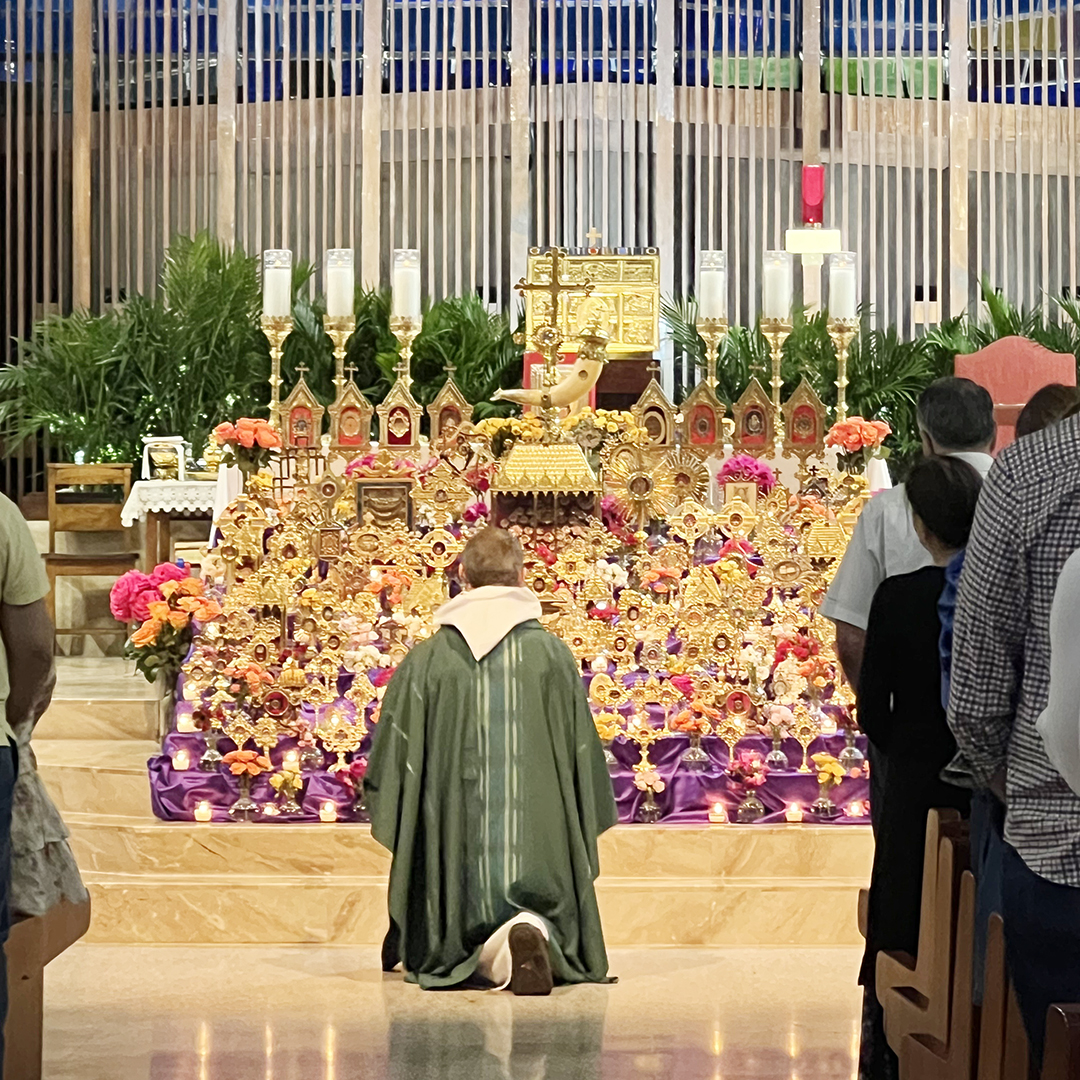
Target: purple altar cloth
688	795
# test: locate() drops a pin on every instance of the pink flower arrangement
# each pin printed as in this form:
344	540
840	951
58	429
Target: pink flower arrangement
748	769
746	468
684	684
649	780
361	464
168	571
132	595
352	776
474	512
380	676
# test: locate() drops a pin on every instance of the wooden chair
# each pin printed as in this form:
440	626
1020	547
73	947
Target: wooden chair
34	943
995	1006
921	1004
923	1057
68	514
1061	1054
902	969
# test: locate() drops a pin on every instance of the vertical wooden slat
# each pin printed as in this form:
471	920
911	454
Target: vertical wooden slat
958	171
519	138
50	160
226	122
371	122
81	87
21	46
312	140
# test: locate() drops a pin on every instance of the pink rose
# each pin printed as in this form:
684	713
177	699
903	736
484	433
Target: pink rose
123	593
140	602
167	571
474	512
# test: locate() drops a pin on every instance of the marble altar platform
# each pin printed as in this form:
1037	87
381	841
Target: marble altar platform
182	883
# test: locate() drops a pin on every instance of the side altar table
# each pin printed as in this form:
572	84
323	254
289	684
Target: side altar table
158	502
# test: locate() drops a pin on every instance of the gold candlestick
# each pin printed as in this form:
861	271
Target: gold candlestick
339	328
276	328
712	332
405	329
776	332
842	332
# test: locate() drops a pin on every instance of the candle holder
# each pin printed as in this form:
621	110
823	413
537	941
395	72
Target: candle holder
406	329
842	332
776	332
276	328
712	332
339	328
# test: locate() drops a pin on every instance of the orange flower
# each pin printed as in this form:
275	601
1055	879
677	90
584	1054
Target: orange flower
147	633
158	610
224	433
200	607
189	586
247	762
267	437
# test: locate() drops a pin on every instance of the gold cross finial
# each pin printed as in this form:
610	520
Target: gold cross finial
557	286
593	235
351	370
302	370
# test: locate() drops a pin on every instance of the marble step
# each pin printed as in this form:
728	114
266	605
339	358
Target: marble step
119	719
120	845
286	909
104	776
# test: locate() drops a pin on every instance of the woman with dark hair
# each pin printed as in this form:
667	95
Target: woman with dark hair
1047	406
900	710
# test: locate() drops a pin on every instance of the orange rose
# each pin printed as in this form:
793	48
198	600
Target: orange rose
159	610
267	437
200	608
224	433
853	443
179	619
147	633
246	437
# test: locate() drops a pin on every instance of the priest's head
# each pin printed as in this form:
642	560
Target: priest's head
956	416
493	557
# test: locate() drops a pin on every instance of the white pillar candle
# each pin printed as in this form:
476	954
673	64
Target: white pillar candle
340	282
712	285
776	285
843	291
277	282
405	293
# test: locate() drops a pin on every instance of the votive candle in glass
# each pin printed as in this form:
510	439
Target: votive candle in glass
277	282
777	286
718	814
340	283
328	812
843	285
181	760
712	285
203	812
794	813
405	291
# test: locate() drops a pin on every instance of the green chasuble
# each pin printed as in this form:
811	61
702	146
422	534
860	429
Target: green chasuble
487	782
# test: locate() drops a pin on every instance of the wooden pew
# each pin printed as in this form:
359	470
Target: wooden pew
915	994
1061	1056
32	944
924	1057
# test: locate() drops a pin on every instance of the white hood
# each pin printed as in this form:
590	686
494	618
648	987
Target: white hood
486	615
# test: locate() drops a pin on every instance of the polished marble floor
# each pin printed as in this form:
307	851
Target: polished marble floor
313	1013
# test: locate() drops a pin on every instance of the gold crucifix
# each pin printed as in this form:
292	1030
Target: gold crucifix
549	338
593	235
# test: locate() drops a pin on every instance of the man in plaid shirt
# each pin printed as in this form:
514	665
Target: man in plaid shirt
1026	526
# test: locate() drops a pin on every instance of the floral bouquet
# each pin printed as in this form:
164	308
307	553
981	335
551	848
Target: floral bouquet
745	468
858	441
165	602
748	771
829	774
592	429
248	444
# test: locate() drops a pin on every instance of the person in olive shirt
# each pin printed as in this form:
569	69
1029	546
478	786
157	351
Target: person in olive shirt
27	675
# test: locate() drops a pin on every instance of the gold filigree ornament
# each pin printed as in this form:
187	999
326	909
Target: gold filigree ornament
805	729
789	572
596	543
361	693
621	646
694	620
439	548
689	521
642	484
339	736
689	476
634	608
239	727
640	730
441	494
655	691
735	520
653	656
607	692
579	633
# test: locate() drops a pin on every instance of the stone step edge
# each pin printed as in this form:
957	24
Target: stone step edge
249	881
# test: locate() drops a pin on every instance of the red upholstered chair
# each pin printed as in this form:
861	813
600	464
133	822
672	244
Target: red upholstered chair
1012	369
